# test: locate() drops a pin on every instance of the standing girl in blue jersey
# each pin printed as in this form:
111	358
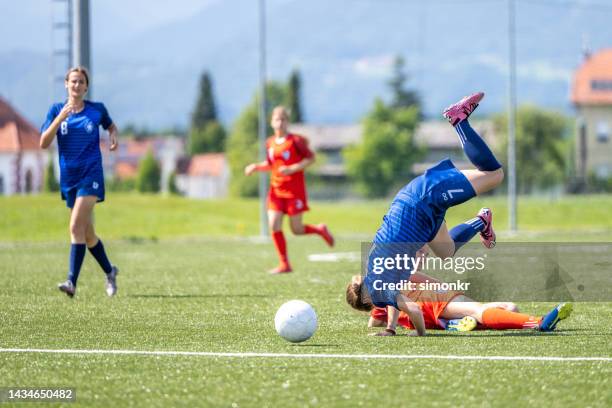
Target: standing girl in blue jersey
76	124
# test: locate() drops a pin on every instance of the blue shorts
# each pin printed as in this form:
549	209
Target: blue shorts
414	218
88	187
439	188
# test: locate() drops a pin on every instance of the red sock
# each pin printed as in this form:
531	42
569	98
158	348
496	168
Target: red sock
312	229
320	230
500	319
281	246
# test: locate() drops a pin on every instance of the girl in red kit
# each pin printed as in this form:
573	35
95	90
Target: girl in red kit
287	157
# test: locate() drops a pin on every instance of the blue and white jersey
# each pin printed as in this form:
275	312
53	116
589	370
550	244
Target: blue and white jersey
418	209
78	140
413	219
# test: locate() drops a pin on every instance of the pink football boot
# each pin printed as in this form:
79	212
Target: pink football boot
487	236
463	109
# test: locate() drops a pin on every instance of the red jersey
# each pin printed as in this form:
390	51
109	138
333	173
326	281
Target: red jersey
292	150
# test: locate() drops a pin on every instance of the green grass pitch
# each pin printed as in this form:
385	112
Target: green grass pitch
192	280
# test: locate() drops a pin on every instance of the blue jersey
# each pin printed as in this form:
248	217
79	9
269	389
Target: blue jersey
413	219
78	141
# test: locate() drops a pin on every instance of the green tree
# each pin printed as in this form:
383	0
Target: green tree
387	152
541	147
293	97
118	185
206	134
243	145
172	188
206	139
50	184
133	131
401	97
149	175
205	109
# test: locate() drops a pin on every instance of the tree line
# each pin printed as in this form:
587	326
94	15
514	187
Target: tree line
382	160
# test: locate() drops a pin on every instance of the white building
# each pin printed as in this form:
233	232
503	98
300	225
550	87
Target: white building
22	162
123	163
437	136
203	176
592	97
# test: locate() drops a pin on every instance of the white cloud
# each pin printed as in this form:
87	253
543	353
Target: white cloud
374	67
493	61
543	71
540	70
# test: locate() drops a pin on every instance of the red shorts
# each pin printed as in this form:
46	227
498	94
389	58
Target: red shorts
290	206
431	322
432	306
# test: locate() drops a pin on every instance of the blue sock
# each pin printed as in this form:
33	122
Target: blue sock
99	253
463	233
475	148
77	253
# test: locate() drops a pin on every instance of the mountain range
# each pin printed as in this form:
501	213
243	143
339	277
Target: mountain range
147	74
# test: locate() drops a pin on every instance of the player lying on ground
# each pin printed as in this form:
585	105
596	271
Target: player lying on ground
416	215
452	310
288	156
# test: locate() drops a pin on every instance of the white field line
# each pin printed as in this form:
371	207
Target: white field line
306	356
335	257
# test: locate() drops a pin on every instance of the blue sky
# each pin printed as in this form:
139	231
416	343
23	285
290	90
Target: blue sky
148	54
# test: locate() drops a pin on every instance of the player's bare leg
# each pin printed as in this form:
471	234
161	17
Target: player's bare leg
509	306
484	181
296	223
443	245
91	239
463	306
446	243
80	217
96	248
275	220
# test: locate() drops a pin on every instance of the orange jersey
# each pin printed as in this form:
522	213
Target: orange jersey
292	150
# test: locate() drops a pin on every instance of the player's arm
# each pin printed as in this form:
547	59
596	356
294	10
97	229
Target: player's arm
308	157
253	167
47	136
414	312
374	322
392	318
113	135
296	167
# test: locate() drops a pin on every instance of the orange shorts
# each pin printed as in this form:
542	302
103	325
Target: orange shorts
290	206
432	311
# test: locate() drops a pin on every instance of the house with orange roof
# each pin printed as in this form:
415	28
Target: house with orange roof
22	162
203	176
592	97
123	163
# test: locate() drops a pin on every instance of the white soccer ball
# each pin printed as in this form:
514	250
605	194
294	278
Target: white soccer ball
295	321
